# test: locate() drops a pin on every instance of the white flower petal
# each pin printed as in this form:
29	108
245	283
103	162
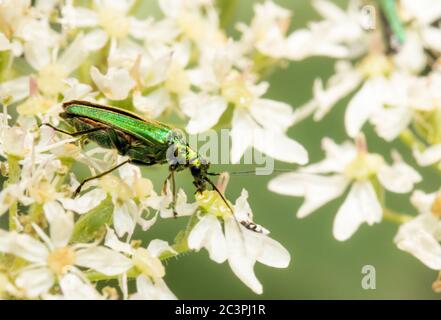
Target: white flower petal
411	56
423	201
182	52
339	86
398	178
74	55
23	246
361	205
118	5
61	223
208	233
38	30
154	103
303	43
159	69
103	260
432	38
84	203
238	256
204	111
4	42
363	105
329	10
246	132
317	190
266	250
4	241
114	243
95	40
76	90
337	157
241	134
273	115
138	27
16	48
429	156
74	288
146	224
425	11
17	89
35	282
124	218
115	85
147	290
279	146
129	173
242	209
182	207
170	8
157	247
417	238
37	54
78	17
390	122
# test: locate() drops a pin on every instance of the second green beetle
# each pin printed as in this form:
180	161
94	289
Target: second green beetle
144	142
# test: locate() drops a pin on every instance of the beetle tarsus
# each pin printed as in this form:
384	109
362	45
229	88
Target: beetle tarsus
78	189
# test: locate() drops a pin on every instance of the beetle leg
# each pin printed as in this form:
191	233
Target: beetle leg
113	136
117	143
175	214
171	178
73	134
78	189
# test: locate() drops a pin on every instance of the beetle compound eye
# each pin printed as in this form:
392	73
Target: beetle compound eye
195	171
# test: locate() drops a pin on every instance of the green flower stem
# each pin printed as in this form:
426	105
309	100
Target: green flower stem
395	217
92	224
264	65
14	176
409	139
94	276
388	214
6	60
136	7
226	11
36	213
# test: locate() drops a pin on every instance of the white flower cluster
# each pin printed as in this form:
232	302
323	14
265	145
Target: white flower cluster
392	74
57	246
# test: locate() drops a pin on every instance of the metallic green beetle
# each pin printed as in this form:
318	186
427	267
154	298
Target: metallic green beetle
144	142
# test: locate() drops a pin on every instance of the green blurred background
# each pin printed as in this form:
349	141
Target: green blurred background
321	267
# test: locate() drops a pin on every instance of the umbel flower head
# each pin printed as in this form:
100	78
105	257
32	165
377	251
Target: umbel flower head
421	235
53	258
347	165
226	239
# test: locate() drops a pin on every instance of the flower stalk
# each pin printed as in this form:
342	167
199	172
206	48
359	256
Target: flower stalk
13	178
396	217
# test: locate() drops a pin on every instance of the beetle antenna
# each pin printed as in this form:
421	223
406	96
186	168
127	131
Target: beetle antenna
215	188
247	172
